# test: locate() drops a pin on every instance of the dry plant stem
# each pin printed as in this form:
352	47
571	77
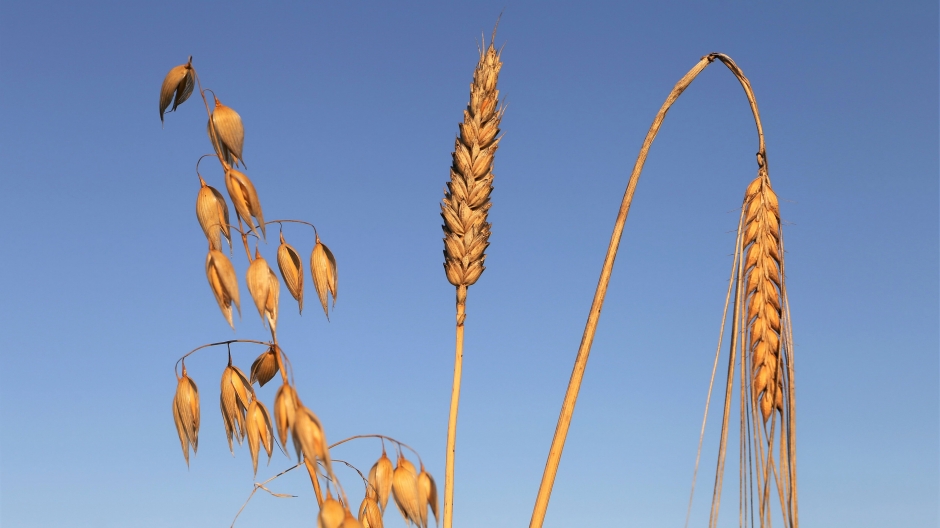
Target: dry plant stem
312	470
383	437
584	350
261	486
736	336
454	401
711	382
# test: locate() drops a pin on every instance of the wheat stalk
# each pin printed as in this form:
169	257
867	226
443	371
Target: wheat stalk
464	209
758	301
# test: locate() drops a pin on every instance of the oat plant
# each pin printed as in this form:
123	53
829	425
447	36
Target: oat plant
244	415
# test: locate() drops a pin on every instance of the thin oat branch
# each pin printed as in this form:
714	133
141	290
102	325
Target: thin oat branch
229	342
383	437
261	486
587	339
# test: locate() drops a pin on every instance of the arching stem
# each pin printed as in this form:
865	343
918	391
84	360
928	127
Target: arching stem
590	327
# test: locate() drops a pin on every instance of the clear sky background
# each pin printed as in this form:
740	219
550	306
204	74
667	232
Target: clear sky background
350	110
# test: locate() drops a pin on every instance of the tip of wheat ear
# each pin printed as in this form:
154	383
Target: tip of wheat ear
467	198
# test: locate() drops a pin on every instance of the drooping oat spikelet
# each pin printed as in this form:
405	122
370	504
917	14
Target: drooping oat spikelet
762	268
212	213
229	130
331	514
292	269
245	199
285	408
309	437
427	495
370	515
405	491
380	478
258	425
323	270
186	413
222	280
264	367
220	150
467	198
265	289
179	82
235	396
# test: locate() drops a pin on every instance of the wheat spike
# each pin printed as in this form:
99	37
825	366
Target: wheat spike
467	199
762	268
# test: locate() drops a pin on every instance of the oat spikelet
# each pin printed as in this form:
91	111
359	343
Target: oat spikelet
323	270
762	268
467	198
349	521
212	213
292	270
264	367
228	130
309	437
222	280
427	495
186	414
370	515
380	478
259	431
245	199
265	289
405	491
235	397
179	82
285	408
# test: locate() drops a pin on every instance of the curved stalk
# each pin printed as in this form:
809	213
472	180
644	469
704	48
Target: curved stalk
587	339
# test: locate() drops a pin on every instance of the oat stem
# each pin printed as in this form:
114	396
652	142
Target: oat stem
587	339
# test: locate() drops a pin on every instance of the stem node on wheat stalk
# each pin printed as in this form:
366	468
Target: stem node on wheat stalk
587	339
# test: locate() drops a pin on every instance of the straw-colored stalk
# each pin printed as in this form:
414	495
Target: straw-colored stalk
464	209
584	350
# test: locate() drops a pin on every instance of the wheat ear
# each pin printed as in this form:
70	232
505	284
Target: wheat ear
464	209
590	327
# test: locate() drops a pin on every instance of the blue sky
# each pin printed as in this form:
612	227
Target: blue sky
350	112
